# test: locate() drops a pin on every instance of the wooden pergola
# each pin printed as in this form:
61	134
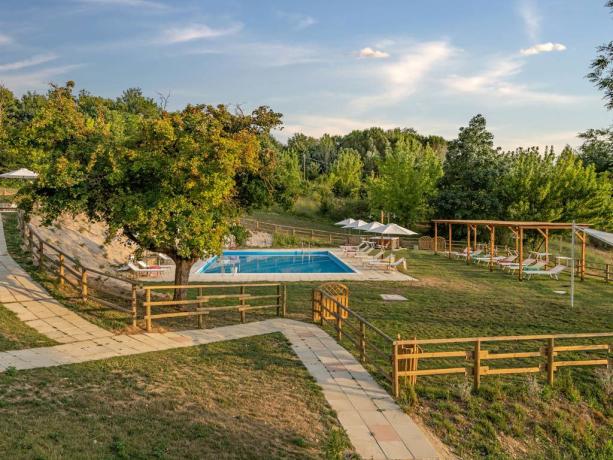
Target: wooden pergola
518	228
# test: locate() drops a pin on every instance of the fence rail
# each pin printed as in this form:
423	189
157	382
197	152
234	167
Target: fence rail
145	302
241	301
323	236
402	363
330	303
70	271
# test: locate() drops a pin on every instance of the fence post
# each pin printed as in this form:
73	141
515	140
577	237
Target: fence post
31	242
61	270
257	225
284	308
362	341
477	365
148	310
84	285
279	299
395	379
134	304
550	361
242	303
41	252
339	323
607	273
330	235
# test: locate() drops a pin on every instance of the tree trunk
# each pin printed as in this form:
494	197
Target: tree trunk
182	268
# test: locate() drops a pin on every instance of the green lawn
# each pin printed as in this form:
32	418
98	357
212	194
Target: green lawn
248	398
15	334
511	416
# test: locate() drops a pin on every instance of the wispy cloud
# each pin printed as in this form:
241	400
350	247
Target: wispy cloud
369	52
402	77
265	54
542	48
5	39
197	32
125	3
30	62
531	18
495	82
34	80
296	20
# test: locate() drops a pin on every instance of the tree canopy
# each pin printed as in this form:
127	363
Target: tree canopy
174	183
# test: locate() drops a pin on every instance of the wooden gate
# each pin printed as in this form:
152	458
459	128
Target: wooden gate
335	292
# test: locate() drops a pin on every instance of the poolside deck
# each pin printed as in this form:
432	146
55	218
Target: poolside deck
361	273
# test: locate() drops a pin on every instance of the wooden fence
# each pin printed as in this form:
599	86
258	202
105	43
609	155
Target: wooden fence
319	236
88	282
330	302
194	305
140	301
401	364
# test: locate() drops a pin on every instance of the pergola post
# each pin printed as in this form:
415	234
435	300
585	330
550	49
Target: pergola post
435	238
521	253
546	246
492	245
583	237
450	241
475	237
468	244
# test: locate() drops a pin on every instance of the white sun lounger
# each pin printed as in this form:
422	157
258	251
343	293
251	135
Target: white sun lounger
388	265
145	271
552	272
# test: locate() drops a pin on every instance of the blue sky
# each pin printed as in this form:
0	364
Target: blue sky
328	66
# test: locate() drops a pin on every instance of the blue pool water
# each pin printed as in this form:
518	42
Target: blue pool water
276	262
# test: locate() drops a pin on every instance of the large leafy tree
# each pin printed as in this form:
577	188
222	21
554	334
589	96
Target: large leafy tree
175	183
346	173
555	188
473	169
406	182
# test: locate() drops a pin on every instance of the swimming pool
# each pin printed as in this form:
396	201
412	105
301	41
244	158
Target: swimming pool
271	261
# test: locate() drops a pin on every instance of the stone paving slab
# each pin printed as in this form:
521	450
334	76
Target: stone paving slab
35	307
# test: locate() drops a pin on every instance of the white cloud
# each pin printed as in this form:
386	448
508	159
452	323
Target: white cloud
542	48
197	32
35	80
401	77
265	54
368	52
30	62
495	82
531	18
5	39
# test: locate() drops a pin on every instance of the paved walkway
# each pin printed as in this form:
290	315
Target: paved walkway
34	306
376	426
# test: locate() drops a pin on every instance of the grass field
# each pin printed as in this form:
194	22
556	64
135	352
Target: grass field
249	398
15	334
511	416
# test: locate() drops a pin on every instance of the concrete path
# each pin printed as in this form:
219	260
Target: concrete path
376	426
34	306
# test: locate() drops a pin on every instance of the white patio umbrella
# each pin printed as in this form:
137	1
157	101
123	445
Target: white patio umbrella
369	226
355	224
21	173
345	222
393	229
